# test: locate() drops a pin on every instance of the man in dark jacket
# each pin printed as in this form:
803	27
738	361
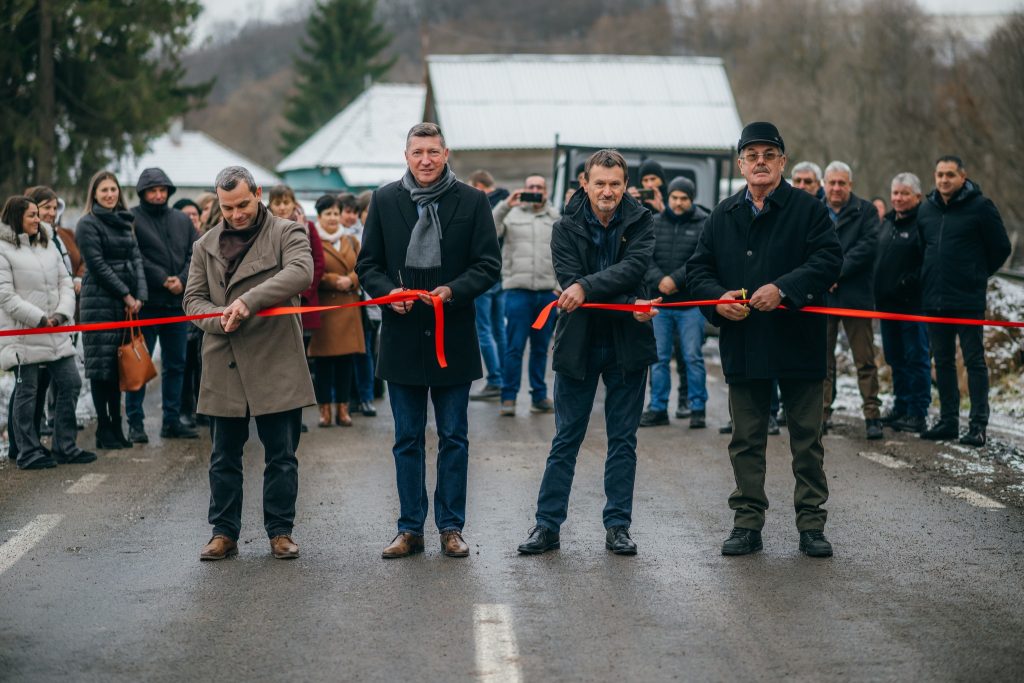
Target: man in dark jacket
165	237
898	290
856	222
676	231
429	231
600	248
965	243
779	244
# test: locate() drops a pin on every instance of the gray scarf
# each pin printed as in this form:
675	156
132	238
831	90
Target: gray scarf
423	257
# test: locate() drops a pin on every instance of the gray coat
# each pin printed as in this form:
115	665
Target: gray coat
260	368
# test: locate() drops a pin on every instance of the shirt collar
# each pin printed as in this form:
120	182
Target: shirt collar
750	200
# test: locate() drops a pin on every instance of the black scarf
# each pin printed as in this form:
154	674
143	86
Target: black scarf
234	243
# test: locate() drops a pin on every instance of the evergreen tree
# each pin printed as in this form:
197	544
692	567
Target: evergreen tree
340	53
83	82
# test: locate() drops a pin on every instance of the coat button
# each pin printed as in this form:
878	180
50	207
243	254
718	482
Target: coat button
427	332
232	365
221	283
810	296
749	253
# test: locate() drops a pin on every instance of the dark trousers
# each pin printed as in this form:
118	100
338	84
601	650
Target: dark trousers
574	401
106	397
173	342
42	384
193	375
905	346
861	335
362	383
522	306
749	404
22	420
409	407
279	434
333	378
943	341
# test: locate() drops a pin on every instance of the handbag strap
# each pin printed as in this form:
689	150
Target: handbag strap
131	330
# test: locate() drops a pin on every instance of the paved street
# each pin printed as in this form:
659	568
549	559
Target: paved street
100	578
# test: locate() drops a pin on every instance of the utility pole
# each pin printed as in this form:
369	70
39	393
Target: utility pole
47	104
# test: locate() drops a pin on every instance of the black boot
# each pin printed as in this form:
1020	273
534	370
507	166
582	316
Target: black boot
814	544
908	423
117	431
742	542
975	436
874	429
654	418
697	419
941	430
540	541
106	439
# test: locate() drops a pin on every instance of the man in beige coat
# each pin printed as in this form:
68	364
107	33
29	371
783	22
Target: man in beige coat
252	366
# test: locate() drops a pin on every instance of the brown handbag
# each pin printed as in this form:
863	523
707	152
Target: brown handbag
134	366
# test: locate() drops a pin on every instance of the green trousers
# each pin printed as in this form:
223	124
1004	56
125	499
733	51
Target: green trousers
749	405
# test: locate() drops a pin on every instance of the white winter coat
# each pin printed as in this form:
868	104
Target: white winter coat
33	284
526	252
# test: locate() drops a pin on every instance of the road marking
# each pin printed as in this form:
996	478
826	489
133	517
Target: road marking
26	539
972	497
497	654
87	484
884	460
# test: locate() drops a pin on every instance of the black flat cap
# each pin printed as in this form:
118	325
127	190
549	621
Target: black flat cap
761	131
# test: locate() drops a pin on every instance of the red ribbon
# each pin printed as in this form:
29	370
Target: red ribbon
404	296
542	319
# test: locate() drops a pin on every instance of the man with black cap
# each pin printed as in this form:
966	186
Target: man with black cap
779	245
676	231
165	238
652	177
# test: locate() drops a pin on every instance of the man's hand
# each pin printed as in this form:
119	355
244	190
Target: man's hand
646	315
233	316
572	298
667	286
657	203
734	312
634	193
766	298
400	307
131	304
442	292
173	285
832	289
513	199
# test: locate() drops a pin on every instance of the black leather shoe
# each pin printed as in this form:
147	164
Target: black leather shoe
79	458
618	541
909	424
814	544
367	409
178	431
683	409
873	429
773	426
188	420
943	429
654	418
891	416
742	542
540	541
44	462
726	428
975	436
698	419
137	434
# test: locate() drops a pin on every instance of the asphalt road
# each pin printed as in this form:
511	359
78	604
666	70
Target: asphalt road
100	578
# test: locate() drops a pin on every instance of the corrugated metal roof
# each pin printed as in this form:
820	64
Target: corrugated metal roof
365	140
190	158
522	101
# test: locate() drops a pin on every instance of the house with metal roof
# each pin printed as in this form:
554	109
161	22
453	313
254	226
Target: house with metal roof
509	113
361	147
191	160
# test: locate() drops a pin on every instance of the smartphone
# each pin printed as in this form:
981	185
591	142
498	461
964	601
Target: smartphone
647	195
531	198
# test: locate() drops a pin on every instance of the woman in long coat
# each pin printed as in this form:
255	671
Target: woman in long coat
114	285
340	334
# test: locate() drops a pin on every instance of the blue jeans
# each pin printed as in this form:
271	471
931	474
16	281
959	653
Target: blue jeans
364	367
522	306
490	328
409	406
574	401
906	350
173	346
688	325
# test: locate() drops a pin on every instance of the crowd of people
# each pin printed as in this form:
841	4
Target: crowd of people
495	259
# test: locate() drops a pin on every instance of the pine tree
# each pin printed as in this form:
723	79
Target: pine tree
82	82
341	52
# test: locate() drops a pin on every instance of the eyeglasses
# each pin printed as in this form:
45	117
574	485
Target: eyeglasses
752	157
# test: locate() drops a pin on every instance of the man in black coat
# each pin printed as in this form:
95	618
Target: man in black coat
965	243
856	222
778	243
898	290
165	237
600	248
429	231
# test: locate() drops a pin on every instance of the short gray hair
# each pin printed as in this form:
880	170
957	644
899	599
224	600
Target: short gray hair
839	167
425	130
805	166
229	178
907	180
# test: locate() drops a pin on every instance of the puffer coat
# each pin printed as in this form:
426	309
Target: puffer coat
113	269
526	251
34	284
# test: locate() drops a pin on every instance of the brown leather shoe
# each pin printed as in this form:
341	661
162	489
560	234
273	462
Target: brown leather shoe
325	415
343	418
218	548
284	548
452	544
405	544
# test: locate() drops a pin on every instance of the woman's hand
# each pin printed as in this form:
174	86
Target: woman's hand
343	283
131	304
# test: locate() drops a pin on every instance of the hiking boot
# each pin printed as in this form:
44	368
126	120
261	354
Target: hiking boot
654	418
